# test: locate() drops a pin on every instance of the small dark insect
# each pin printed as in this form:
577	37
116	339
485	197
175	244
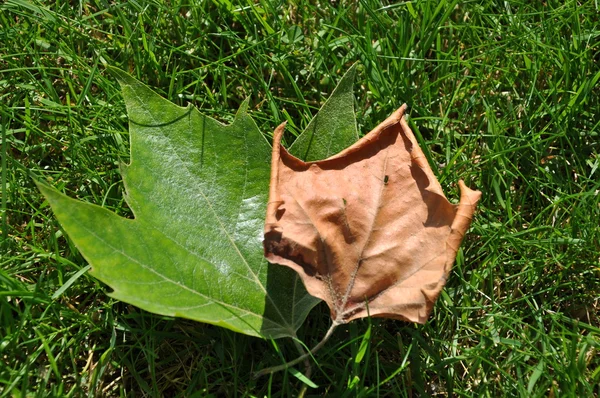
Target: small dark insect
386	179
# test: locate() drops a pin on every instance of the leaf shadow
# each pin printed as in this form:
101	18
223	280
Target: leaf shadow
438	207
285	309
175	120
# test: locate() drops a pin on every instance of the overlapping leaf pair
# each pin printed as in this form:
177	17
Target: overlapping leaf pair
368	227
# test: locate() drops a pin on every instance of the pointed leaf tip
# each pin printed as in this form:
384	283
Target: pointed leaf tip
121	76
333	128
243	109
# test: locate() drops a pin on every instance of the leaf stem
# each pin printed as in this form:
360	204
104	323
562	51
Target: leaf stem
301	358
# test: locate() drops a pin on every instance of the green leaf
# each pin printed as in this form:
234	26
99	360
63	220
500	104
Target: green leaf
333	128
198	190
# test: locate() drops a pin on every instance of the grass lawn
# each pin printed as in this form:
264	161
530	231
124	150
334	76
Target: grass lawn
505	95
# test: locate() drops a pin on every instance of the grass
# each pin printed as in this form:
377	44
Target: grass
504	95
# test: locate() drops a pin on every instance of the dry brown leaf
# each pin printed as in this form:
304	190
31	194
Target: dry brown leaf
369	230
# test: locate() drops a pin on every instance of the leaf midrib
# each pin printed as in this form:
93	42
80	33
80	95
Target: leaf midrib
339	311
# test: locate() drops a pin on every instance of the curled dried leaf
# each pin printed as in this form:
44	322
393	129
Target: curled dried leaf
369	230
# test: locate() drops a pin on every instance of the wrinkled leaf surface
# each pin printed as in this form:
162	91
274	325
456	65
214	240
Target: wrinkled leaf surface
369	230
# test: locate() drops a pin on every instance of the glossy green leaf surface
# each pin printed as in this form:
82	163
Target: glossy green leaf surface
198	190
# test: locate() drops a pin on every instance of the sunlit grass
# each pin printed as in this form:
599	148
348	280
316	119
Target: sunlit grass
505	96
